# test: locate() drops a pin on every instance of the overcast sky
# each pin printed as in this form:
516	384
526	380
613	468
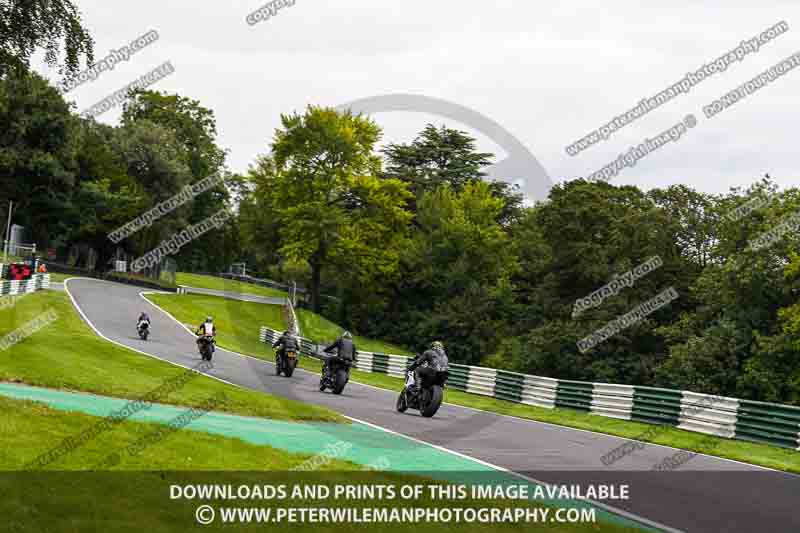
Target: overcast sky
547	73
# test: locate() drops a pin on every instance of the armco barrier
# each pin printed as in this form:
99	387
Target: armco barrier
35	283
702	413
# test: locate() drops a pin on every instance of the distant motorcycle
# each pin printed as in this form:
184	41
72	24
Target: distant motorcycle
285	363
426	396
143	329
205	345
337	376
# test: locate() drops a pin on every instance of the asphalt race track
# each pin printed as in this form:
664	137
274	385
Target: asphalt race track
707	494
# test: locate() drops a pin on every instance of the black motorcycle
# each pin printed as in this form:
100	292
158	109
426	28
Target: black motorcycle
336	376
143	329
206	346
285	363
426	396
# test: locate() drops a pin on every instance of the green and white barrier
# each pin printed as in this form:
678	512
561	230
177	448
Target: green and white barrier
702	413
37	282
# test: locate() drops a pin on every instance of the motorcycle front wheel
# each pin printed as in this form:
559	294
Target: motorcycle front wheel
402	405
290	366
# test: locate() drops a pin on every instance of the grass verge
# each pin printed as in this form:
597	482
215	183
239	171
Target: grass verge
320	329
32	428
67	354
220	284
57	277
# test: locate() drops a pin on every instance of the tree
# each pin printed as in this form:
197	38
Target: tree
26	25
38	147
105	197
193	125
737	339
454	279
570	246
195	130
155	161
333	209
435	158
444	156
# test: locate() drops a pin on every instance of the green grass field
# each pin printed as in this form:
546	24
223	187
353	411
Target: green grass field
59	278
320	329
32	428
134	494
220	284
249	317
68	355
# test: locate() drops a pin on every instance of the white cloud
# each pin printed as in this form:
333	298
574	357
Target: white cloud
547	73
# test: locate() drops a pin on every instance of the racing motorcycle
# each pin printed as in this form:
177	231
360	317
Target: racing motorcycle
286	363
426	396
143	329
337	375
206	346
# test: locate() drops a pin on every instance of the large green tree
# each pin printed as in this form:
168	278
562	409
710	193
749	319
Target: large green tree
105	196
38	149
334	210
735	341
195	131
570	246
446	156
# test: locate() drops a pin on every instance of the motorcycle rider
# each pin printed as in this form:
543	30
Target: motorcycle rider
345	349
434	357
287	342
207	330
143	319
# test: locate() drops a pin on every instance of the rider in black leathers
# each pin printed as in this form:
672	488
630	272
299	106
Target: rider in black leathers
345	349
435	358
287	341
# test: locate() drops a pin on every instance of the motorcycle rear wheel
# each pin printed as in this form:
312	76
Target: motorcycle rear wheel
430	402
339	381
